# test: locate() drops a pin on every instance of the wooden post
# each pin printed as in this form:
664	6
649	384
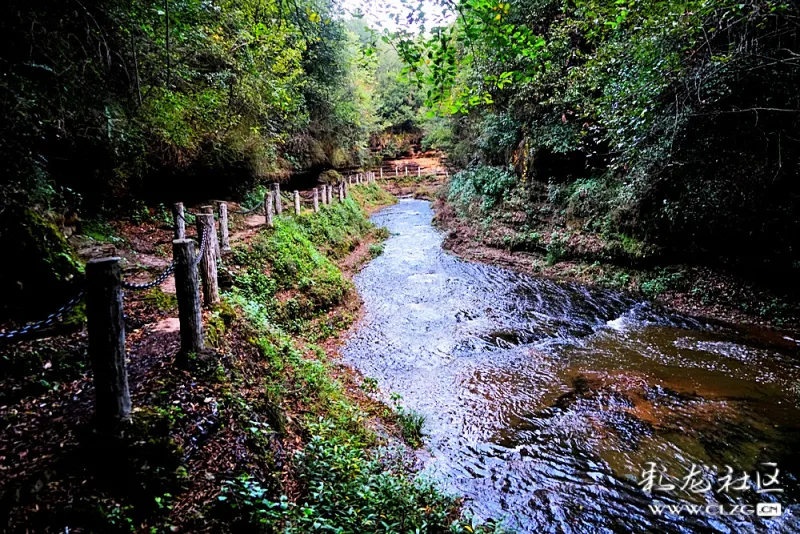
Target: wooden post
406	170
297	202
330	194
225	243
277	199
208	263
346	190
316	200
180	223
341	191
419	171
269	207
381	173
187	290
106	325
396	171
209	210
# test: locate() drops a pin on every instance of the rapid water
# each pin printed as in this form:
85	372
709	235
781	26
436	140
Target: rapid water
544	402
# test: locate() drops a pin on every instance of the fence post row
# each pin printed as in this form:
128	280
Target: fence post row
188	293
208	263
106	326
180	222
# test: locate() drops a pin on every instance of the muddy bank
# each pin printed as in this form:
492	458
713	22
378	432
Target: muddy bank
694	290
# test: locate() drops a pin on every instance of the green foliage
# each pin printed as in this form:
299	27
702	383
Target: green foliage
668	122
381	495
483	185
122	101
411	422
376	249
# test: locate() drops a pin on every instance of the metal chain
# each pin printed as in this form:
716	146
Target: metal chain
184	218
149	285
203	243
50	319
251	210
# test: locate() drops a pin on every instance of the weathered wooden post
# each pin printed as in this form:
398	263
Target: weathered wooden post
406	170
381	173
297	202
346	190
106	325
187	290
396	171
419	171
225	243
180	222
209	210
316	200
330	194
208	263
269	207
277	199
341	191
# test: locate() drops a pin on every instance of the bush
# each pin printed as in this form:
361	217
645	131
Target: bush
484	185
380	495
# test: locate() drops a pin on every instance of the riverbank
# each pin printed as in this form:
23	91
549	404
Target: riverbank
265	430
558	253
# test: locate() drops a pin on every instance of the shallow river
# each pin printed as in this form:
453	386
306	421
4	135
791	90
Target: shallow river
544	402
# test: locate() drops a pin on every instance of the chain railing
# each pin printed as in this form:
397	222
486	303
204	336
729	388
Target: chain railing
203	244
47	321
251	210
149	285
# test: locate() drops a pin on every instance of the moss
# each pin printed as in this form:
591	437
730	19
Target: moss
330	177
41	268
161	300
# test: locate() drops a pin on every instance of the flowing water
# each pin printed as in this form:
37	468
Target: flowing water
544	402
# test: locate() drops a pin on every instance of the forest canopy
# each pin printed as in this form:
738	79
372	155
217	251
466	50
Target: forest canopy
110	102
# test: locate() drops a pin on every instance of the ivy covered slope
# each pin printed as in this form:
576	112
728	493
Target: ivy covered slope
635	132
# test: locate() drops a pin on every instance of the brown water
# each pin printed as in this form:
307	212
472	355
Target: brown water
544	401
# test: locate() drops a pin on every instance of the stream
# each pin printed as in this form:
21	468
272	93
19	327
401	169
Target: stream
544	402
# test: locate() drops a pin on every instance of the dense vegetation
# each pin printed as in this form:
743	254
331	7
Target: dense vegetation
664	131
111	108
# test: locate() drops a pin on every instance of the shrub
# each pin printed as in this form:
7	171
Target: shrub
483	185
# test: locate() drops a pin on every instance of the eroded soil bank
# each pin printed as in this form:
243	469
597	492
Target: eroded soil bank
704	292
544	401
